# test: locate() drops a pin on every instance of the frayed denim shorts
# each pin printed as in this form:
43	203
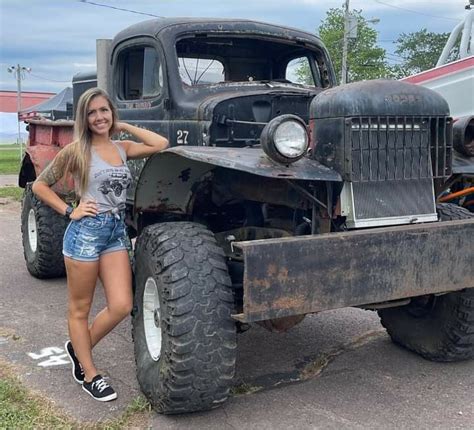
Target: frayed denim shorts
92	236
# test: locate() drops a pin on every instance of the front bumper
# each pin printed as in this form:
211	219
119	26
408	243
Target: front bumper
298	275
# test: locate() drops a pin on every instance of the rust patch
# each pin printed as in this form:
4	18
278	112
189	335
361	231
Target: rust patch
281	325
272	269
295	302
281	274
261	283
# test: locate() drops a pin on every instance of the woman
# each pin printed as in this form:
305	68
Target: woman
95	242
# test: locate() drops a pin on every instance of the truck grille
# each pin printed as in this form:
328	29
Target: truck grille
391	162
398	148
393	199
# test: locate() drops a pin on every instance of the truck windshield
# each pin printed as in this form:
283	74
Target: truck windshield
216	59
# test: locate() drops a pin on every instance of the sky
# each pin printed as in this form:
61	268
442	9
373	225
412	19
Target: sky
56	38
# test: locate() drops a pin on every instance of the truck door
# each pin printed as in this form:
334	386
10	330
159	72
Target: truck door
140	91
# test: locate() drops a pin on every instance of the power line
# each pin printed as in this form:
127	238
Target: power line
119	8
395	55
414	11
395	60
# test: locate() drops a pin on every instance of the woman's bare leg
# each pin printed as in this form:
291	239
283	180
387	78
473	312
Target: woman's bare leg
116	276
81	281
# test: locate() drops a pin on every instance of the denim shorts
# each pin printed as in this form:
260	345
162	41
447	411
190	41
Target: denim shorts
92	236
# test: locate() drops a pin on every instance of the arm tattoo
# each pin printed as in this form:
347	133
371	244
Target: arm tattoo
53	172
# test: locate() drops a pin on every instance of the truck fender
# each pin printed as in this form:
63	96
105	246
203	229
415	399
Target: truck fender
36	159
168	179
41	155
27	171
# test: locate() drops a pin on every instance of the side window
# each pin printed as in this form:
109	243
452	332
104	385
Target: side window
298	71
141	73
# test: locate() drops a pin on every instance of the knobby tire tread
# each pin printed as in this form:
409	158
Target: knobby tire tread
199	341
447	333
48	260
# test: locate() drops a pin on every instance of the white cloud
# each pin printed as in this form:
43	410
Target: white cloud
57	38
79	65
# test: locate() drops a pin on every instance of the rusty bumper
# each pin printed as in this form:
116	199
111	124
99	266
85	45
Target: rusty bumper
306	274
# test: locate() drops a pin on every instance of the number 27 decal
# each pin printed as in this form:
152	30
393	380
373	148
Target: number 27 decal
182	137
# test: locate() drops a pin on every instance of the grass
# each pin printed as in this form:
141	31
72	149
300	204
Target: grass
9	146
136	412
14	193
9	159
20	409
23	409
244	388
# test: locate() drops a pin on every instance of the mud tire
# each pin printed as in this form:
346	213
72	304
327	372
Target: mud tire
198	337
452	212
46	261
439	328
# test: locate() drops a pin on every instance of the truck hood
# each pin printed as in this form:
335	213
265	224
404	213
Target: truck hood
257	104
236	118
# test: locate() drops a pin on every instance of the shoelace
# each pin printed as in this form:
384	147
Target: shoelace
100	385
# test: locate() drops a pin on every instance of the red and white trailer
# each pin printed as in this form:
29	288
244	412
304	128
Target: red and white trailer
455	82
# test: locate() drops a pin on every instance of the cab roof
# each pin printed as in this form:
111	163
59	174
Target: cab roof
174	27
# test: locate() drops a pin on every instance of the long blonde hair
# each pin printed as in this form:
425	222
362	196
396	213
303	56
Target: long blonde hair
80	152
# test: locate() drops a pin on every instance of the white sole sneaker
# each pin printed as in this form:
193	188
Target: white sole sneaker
73	364
101	399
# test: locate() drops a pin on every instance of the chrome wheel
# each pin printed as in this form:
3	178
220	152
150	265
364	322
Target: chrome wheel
152	318
32	231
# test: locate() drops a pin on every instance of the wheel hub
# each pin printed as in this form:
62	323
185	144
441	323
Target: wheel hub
152	318
32	231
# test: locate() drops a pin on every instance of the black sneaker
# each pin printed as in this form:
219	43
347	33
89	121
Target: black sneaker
77	372
99	389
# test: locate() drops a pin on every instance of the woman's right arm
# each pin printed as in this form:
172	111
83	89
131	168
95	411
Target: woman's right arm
48	177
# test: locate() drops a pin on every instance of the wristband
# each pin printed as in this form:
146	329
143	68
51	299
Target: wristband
69	211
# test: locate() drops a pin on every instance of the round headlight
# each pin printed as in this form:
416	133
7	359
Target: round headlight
285	139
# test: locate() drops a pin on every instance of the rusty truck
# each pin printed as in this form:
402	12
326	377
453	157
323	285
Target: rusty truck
281	194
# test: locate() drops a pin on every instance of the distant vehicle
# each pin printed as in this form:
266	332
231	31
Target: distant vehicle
455	82
277	198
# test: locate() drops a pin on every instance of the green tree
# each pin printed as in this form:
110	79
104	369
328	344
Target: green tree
420	51
365	59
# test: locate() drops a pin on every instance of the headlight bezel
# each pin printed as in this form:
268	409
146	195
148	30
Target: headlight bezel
267	139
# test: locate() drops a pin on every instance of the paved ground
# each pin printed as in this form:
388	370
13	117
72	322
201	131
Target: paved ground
355	377
8	180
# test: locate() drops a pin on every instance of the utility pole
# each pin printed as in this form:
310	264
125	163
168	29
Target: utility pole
19	71
345	42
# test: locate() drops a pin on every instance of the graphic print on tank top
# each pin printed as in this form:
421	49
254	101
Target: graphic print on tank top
108	184
117	181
